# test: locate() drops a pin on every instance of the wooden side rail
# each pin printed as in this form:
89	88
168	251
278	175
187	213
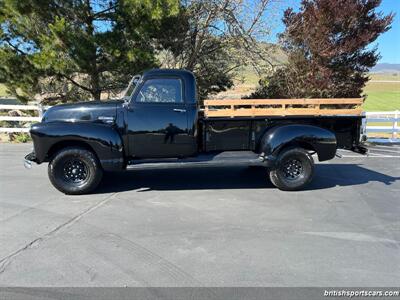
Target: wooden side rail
282	107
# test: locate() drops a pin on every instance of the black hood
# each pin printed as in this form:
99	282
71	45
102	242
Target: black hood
83	111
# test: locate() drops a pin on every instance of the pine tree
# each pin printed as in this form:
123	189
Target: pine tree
77	49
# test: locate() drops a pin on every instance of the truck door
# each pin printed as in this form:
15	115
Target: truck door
157	120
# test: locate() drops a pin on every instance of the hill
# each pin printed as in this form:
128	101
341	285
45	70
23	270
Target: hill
386	68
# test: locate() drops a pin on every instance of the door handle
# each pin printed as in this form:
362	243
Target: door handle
179	110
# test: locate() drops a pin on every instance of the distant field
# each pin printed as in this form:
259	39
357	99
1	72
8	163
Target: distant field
384	76
382	96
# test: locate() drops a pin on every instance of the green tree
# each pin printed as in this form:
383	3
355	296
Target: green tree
77	49
327	43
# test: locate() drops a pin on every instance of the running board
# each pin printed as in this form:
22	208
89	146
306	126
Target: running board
228	158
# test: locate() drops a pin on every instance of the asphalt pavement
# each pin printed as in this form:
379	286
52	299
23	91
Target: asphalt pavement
203	226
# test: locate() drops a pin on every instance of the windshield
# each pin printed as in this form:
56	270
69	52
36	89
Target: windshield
131	86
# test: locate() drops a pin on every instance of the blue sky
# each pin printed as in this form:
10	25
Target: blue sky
388	43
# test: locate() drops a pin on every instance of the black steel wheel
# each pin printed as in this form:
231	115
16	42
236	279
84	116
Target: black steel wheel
294	170
75	171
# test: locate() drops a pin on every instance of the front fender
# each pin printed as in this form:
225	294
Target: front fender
102	138
316	138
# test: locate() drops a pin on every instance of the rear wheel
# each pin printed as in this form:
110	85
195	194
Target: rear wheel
294	170
75	171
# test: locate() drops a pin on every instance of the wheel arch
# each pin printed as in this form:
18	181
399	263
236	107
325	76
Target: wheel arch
56	147
296	144
309	137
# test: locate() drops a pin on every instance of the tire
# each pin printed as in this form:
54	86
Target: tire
75	171
294	170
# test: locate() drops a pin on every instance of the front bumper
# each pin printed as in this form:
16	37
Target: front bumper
29	158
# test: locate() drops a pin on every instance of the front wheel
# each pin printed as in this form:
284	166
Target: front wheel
75	171
293	171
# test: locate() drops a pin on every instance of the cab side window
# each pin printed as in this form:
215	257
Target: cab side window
167	90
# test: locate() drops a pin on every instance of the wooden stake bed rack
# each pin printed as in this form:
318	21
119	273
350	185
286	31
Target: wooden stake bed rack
282	107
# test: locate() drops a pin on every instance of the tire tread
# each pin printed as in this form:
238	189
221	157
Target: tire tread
280	183
89	156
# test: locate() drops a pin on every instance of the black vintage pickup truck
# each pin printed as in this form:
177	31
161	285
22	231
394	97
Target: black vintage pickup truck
159	123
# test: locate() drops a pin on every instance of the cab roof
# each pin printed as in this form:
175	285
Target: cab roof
168	72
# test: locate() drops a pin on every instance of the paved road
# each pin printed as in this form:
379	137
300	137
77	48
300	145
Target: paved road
203	227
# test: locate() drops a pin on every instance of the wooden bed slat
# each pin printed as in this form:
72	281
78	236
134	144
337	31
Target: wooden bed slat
281	107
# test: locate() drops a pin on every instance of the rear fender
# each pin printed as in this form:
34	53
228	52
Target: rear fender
103	139
309	137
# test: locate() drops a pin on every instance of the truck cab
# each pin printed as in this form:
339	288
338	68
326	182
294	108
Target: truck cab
161	115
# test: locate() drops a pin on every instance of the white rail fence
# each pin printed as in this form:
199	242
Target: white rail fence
38	109
372	119
391	120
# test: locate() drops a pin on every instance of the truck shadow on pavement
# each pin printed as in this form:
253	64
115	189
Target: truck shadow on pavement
199	178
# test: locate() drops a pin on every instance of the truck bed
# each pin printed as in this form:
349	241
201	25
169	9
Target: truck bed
245	133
